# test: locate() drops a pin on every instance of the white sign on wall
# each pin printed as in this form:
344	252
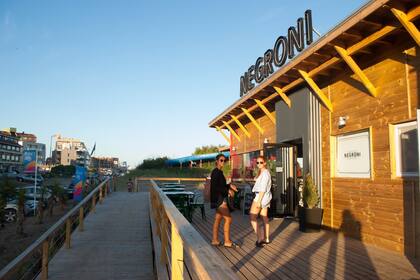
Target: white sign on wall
353	155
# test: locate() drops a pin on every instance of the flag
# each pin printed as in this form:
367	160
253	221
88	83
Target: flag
93	149
29	161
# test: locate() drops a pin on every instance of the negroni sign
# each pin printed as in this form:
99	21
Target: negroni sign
284	48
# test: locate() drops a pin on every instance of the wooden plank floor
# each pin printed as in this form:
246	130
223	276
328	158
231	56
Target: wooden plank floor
116	243
296	255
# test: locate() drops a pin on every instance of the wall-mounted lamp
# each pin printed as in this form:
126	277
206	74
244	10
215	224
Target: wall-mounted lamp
233	148
342	121
266	140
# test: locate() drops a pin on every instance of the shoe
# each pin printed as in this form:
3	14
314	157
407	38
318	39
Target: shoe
217	244
266	242
233	245
259	244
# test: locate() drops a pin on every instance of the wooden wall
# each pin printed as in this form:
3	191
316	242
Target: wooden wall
380	210
256	141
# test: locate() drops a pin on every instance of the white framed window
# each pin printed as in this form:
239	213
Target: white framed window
406	149
353	155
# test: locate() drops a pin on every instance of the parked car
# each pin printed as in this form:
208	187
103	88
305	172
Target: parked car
10	174
30	193
30	178
11	209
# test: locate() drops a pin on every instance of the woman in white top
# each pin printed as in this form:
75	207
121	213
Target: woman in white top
261	202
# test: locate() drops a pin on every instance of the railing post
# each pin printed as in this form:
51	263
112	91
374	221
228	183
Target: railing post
101	196
105	190
94	203
177	255
68	233
114	184
44	269
163	239
81	217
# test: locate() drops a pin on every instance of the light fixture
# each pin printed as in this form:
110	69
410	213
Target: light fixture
342	121
266	140
233	148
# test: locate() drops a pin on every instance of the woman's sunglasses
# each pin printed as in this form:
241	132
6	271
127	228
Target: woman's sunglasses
260	162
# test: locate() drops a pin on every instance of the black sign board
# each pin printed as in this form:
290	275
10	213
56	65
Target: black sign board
284	48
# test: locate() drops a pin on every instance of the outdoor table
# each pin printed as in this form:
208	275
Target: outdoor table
172	189
182	200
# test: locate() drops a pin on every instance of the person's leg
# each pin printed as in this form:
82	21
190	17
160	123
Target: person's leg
253	215
224	211
264	217
216	225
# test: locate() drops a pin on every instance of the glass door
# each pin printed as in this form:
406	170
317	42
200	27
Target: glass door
282	161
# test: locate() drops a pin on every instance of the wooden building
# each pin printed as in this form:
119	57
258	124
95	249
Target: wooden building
345	110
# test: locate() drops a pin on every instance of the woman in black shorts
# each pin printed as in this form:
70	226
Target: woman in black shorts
219	192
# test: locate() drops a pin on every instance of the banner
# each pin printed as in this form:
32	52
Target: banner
29	161
78	182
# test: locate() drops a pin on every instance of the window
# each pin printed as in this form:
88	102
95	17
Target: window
406	149
353	158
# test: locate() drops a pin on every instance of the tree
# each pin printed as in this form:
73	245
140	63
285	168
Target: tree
56	191
20	213
41	206
153	163
310	192
2	211
7	192
207	149
7	189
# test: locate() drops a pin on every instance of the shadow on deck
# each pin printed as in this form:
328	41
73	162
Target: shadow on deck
296	255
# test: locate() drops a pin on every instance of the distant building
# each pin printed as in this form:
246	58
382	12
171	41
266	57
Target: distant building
70	151
26	137
10	151
104	162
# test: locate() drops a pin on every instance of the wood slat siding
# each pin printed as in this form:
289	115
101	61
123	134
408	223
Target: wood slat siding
382	208
255	142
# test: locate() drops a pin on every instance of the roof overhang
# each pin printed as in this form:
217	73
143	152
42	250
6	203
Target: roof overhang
373	26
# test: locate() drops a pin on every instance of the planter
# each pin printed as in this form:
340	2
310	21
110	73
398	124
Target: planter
310	220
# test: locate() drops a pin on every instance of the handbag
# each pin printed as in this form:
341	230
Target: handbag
230	203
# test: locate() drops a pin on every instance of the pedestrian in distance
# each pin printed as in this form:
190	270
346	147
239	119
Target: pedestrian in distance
130	185
261	202
219	193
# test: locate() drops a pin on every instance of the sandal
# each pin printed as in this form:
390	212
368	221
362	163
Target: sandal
265	242
259	244
217	244
232	245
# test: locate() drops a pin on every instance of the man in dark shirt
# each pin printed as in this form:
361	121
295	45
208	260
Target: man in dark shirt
219	192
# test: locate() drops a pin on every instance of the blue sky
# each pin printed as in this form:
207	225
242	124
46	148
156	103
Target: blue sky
139	78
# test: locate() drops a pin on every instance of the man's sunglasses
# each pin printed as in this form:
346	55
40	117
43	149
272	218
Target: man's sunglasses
222	160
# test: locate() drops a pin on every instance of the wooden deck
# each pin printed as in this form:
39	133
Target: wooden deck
296	255
115	244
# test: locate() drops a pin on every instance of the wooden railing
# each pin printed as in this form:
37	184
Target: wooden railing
180	251
35	258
